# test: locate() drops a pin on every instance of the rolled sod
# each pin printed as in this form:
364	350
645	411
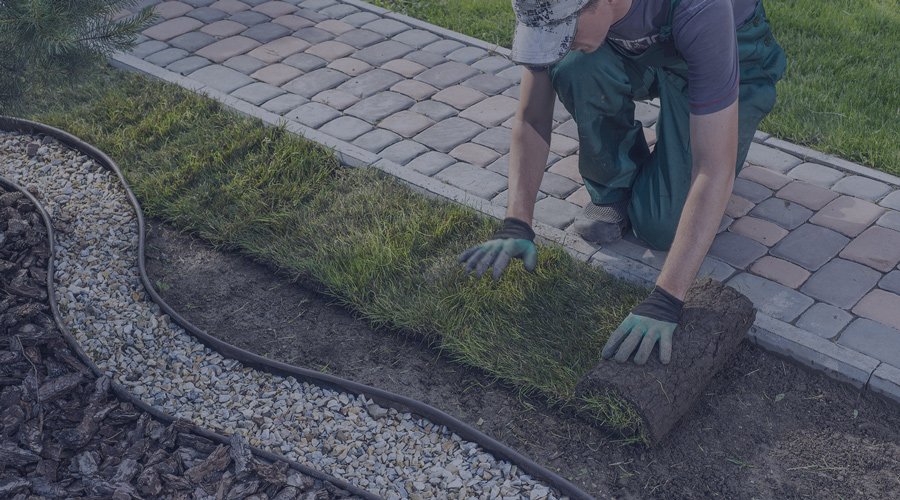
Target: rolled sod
714	321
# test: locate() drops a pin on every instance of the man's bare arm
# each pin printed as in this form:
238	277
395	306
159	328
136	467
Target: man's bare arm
714	151
530	145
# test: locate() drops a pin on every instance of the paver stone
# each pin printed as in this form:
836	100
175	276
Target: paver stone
841	283
478	181
249	18
230	6
767	177
876	247
447	134
759	230
581	197
360	38
167	56
334	26
848	215
279	49
750	190
437	111
387	27
227	48
277	74
404	151
568	167
313	114
293	22
808	195
492	111
736	250
257	93
467	54
891	201
861	187
193	41
244	63
416	38
810	246
824	320
376	140
496	138
188	65
873	339
403	67
559	144
555	212
350	66
223	28
891	282
370	83
312	83
771	158
346	128
780	271
167	30
737	206
488	84
284	103
447	74
305	62
459	97
786	214
330	50
221	78
414	89
379	106
769	297
275	9
442	47
814	173
337	99
168	10
406	123
557	185
880	306
474	154
492	64
144	49
360	18
313	35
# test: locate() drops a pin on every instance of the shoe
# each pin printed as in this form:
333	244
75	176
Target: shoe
602	223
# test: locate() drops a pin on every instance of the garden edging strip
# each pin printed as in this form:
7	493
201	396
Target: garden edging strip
123	393
382	397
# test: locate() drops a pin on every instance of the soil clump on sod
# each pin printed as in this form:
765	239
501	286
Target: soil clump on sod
65	434
763	428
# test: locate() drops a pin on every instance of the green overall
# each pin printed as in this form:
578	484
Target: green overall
615	161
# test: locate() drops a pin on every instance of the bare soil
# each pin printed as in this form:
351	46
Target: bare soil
764	428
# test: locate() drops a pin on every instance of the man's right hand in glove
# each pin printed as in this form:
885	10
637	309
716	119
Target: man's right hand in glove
514	240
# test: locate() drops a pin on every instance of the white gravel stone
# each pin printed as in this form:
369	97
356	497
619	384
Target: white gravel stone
104	305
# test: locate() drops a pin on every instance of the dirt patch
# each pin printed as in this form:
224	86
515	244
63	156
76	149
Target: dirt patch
764	428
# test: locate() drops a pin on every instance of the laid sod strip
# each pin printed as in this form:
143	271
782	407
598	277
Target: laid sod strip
375	245
841	91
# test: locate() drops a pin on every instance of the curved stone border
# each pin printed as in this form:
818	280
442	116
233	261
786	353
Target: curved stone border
385	398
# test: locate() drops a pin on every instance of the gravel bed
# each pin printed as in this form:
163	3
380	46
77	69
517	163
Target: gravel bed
63	432
102	301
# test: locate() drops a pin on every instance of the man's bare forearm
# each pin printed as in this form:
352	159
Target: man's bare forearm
530	144
697	228
714	151
527	159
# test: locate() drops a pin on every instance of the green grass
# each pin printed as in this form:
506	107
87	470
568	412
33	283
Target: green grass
841	91
375	245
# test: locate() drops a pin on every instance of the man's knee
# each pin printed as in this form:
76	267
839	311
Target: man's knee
657	232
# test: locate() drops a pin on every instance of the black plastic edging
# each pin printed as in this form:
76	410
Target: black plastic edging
382	397
122	392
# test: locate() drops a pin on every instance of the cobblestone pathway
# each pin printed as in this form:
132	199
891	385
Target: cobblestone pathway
813	240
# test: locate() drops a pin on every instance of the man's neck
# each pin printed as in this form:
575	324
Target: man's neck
621	9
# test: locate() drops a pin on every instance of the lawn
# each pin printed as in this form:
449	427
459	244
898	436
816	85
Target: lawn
372	243
841	91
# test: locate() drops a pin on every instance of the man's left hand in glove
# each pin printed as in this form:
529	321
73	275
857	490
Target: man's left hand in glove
653	320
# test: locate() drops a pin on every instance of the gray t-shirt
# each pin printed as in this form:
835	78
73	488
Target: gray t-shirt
704	32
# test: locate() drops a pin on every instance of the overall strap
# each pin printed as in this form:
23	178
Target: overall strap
665	31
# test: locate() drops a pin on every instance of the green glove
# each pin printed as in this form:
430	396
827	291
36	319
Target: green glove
652	321
514	240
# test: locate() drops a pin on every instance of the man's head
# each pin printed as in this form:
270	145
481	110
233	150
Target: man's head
546	30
